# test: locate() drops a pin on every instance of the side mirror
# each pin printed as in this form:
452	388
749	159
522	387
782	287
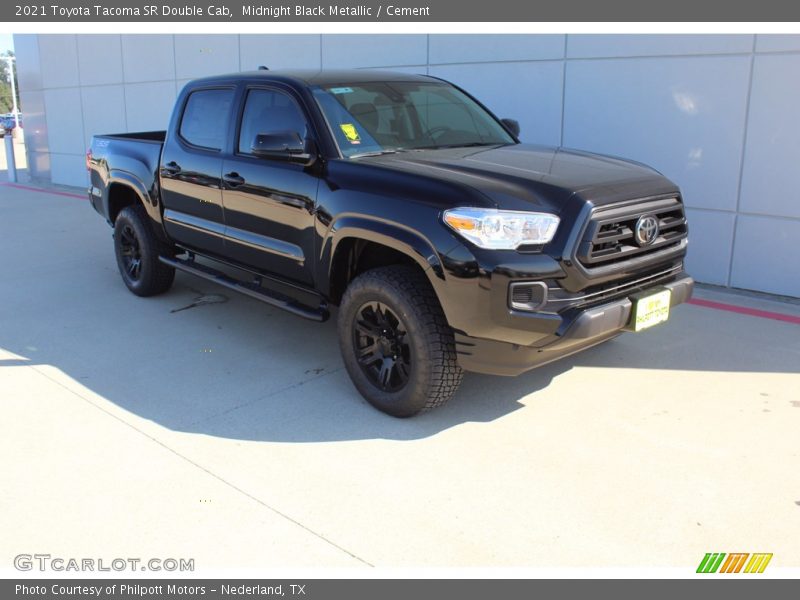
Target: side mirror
512	125
282	145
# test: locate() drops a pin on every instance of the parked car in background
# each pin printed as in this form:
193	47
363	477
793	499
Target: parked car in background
8	123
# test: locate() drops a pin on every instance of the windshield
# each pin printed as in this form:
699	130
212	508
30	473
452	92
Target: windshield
372	118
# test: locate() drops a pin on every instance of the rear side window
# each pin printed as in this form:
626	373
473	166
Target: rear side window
269	111
205	118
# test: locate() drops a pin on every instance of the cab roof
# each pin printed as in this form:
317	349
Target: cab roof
316	76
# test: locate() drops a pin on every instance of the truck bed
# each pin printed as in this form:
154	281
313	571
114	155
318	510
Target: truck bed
130	157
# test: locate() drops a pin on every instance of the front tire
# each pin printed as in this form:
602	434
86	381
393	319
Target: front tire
396	344
137	249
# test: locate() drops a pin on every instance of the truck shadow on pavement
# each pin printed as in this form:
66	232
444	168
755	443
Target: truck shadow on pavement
200	361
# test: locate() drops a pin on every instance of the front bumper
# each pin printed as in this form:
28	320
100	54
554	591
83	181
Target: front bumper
580	330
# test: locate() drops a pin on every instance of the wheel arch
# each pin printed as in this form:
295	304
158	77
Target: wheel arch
358	244
125	189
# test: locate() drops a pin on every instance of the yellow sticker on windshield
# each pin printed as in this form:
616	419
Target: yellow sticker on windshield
350	133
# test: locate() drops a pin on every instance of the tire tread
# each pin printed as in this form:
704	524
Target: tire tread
159	277
412	282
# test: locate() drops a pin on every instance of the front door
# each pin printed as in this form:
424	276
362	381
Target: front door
269	205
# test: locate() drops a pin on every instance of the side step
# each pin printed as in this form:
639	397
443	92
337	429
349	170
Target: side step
254	289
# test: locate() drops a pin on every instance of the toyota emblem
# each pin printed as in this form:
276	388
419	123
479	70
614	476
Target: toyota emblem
646	230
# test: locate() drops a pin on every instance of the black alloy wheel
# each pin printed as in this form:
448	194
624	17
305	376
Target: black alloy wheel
137	249
396	344
131	252
382	348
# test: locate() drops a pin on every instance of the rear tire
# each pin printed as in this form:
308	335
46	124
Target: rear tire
396	344
137	249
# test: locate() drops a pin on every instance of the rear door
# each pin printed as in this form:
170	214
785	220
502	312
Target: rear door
191	169
269	205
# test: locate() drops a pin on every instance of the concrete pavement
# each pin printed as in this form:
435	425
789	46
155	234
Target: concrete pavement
229	432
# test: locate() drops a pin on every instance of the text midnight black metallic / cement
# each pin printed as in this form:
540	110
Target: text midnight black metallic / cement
453	11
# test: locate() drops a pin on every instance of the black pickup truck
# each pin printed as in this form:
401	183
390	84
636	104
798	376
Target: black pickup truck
445	243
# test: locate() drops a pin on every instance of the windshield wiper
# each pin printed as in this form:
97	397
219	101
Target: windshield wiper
466	145
377	153
470	145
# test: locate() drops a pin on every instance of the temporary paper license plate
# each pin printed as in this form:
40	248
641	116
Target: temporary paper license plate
650	310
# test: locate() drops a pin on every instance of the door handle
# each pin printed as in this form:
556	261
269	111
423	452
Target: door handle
233	179
171	168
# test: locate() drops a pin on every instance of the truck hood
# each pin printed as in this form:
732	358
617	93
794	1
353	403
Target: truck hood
515	176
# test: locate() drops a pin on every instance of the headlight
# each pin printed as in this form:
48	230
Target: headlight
501	229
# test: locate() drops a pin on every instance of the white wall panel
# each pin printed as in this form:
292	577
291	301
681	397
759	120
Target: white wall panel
492	48
148	57
535	103
766	256
39	165
69	169
609	46
204	55
64	120
344	51
771	175
683	116
103	111
149	105
58	57
99	59
280	51
29	71
35	121
412	70
710	242
777	43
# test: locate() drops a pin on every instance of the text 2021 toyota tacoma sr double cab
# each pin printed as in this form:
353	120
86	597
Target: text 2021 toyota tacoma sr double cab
445	243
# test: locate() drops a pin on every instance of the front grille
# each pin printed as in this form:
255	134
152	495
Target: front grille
558	297
610	236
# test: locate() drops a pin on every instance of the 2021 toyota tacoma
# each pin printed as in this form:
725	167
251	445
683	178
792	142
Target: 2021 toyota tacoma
446	244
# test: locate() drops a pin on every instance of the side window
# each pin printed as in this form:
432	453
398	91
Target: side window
205	118
269	111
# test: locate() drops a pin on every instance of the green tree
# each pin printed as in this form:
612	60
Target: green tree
6	103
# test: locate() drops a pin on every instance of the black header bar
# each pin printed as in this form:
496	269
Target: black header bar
387	589
359	11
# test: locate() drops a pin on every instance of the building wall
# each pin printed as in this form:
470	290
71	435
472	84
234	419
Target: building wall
716	113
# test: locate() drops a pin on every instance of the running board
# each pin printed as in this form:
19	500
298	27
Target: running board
254	289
